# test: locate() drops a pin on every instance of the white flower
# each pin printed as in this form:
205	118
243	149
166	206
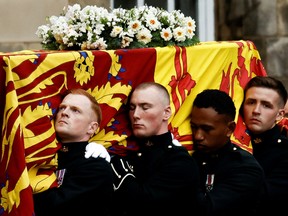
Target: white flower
166	34
125	42
190	23
100	44
96	28
144	36
135	25
179	34
189	33
42	32
116	31
72	11
152	23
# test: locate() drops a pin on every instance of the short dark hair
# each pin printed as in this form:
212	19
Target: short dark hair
270	83
162	90
219	100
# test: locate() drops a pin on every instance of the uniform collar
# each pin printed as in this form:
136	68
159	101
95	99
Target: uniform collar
157	140
268	137
217	153
73	147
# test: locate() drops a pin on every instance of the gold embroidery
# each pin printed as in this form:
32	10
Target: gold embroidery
149	143
64	149
257	140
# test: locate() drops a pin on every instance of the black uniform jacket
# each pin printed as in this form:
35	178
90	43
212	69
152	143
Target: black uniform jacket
166	180
231	182
87	186
271	151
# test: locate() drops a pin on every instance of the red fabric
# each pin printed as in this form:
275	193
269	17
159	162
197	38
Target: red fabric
32	83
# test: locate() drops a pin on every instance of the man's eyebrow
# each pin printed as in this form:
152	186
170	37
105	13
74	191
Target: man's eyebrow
75	107
141	104
249	98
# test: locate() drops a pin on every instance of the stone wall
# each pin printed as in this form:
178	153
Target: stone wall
268	28
265	22
19	20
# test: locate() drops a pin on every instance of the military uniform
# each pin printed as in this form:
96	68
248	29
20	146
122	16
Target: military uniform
86	185
165	183
231	181
271	151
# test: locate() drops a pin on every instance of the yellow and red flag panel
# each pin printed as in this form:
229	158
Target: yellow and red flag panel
32	83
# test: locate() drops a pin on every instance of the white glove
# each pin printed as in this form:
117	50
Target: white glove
95	150
175	141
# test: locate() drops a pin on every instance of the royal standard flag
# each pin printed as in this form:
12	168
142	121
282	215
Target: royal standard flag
32	83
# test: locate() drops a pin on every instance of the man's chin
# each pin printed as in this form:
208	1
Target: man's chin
255	129
199	147
139	135
138	132
63	133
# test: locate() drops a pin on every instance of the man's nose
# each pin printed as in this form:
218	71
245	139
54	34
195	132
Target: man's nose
136	113
256	108
198	135
65	112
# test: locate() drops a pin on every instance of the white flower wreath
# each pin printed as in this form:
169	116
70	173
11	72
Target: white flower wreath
96	28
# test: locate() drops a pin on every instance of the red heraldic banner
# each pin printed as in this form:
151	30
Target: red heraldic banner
32	83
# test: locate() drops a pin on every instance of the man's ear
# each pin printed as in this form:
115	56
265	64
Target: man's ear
167	112
280	115
230	128
93	128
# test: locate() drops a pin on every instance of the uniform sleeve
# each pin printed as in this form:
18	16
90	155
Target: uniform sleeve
277	179
169	179
94	177
232	188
